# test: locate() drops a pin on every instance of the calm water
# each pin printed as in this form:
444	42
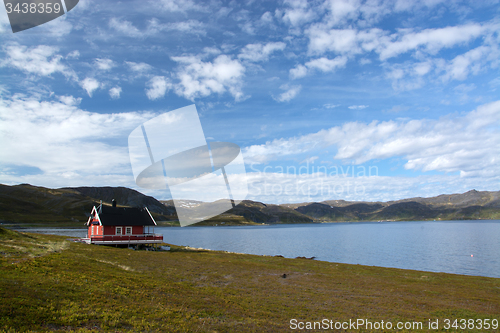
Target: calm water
428	246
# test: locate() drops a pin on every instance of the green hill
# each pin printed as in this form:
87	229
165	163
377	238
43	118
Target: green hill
34	206
466	206
30	205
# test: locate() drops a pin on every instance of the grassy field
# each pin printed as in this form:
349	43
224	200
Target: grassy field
50	284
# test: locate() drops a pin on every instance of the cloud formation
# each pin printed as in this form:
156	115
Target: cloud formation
140	67
469	144
289	94
180	6
41	60
47	135
348	29
157	87
260	52
104	64
198	78
90	85
323	64
115	92
357	107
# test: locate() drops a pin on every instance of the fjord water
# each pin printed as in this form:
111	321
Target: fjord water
459	247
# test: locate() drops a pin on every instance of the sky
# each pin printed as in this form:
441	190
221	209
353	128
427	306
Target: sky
328	100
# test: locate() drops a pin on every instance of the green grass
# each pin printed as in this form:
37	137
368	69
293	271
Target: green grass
50	284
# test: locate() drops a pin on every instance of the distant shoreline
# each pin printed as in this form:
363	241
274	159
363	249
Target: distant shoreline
28	226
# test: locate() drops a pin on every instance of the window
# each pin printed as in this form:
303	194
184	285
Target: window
128	231
119	231
92	230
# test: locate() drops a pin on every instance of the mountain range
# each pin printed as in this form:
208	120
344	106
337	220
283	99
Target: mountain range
34	205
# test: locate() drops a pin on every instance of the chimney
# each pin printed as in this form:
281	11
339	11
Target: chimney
113	202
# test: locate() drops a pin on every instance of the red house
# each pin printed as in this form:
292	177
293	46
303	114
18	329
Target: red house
121	225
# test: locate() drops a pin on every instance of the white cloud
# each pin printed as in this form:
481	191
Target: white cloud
73	55
140	67
41	60
104	64
472	61
190	26
340	10
407	76
57	28
211	51
289	94
247	27
337	40
431	40
410	75
323	64
62	140
331	106
424	45
298	72
267	18
405	5
179	5
157	87
344	41
469	144
462	91
327	65
90	85
70	100
357	107
154	27
115	92
125	27
353	41
422	68
199	78
309	160
260	52
297	12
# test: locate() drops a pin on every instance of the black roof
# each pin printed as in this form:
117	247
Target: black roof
124	216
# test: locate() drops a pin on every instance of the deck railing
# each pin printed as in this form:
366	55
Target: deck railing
110	238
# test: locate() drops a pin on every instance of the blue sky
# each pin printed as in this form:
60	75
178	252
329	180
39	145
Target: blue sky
354	100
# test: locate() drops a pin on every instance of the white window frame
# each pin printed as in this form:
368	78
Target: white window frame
92	230
120	229
127	229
